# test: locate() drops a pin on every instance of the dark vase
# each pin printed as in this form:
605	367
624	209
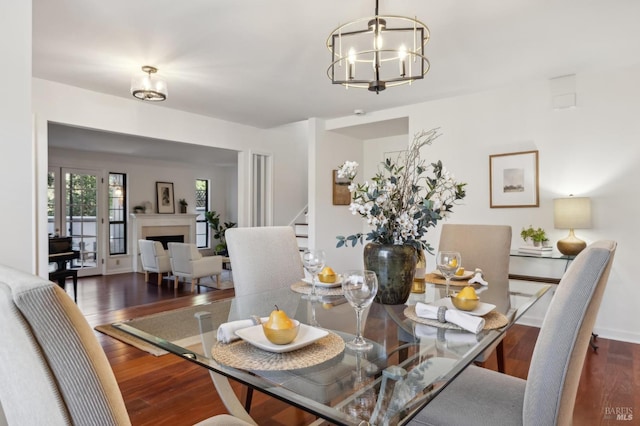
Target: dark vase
395	266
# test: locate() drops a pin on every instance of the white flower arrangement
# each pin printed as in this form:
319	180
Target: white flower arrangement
404	199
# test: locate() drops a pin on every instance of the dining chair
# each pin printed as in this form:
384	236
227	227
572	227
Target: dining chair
486	247
263	258
154	258
188	263
53	371
480	396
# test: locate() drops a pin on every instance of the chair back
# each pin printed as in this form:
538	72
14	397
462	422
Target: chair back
563	341
149	252
486	247
182	254
263	258
53	369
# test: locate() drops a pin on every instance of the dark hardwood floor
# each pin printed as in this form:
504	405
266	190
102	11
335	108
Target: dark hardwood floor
166	390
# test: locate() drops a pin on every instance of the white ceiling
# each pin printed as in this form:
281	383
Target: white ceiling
263	63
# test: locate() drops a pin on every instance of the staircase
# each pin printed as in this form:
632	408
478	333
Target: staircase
302	235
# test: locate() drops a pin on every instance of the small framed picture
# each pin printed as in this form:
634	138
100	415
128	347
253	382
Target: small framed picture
341	194
513	179
164	197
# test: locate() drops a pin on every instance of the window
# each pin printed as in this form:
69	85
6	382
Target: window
117	216
202	205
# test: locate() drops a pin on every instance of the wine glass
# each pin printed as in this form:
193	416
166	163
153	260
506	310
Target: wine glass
313	261
359	287
448	263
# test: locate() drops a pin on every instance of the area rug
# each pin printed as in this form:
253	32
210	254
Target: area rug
172	327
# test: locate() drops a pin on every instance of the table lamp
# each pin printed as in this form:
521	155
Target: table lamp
571	213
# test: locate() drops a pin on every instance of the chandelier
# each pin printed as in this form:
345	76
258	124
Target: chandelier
148	87
378	52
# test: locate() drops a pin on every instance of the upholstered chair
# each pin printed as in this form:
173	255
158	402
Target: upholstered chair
263	258
52	368
486	247
188	263
154	258
480	396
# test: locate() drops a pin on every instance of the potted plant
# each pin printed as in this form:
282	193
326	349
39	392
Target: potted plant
213	218
183	205
537	236
403	200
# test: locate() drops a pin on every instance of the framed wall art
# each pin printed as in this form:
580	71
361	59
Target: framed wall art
513	179
341	194
164	197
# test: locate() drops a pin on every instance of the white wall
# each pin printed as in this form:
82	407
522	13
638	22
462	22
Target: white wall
327	152
591	151
17	179
289	145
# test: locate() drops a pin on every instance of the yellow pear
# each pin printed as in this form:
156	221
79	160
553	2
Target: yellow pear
278	320
467	292
460	271
327	275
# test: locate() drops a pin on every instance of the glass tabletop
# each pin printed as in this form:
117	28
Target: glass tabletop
409	364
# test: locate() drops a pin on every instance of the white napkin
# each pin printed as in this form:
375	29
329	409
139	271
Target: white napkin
468	322
477	278
442	334
227	331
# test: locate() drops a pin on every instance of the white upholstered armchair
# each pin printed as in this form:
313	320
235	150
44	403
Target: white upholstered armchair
188	263
154	258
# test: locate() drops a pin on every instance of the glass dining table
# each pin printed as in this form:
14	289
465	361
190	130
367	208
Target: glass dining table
410	363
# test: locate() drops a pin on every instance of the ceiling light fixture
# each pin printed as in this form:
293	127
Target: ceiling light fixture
149	88
378	52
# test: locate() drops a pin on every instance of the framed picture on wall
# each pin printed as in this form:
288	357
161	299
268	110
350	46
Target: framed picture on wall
513	180
164	197
341	194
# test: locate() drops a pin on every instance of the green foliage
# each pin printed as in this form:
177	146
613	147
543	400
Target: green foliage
536	235
213	218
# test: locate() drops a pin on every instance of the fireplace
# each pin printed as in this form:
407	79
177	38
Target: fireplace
166	239
167	227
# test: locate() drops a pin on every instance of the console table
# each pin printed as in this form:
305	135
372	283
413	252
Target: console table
547	268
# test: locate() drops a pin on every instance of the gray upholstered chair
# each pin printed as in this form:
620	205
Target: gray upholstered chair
263	258
486	247
54	371
483	397
154	258
188	263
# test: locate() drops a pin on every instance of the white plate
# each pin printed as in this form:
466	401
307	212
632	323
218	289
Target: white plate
306	336
467	275
481	310
321	284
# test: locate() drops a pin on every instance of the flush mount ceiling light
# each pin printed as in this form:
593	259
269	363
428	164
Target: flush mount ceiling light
378	52
148	87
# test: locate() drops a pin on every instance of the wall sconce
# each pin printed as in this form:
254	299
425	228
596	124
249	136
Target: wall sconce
571	213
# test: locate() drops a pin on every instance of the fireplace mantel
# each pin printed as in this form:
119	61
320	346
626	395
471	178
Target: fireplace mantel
152	225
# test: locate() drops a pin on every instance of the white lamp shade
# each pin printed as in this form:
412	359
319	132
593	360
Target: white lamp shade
572	213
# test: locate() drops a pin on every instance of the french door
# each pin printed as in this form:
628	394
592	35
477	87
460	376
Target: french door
76	214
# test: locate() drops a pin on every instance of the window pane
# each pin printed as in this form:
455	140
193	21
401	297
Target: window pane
117	213
202	205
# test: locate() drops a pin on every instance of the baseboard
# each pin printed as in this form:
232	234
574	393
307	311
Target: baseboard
621	336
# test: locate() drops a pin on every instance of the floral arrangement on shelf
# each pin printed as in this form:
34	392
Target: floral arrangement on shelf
404	199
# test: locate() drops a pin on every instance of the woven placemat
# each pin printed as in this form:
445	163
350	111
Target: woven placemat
304	288
492	320
243	355
437	279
